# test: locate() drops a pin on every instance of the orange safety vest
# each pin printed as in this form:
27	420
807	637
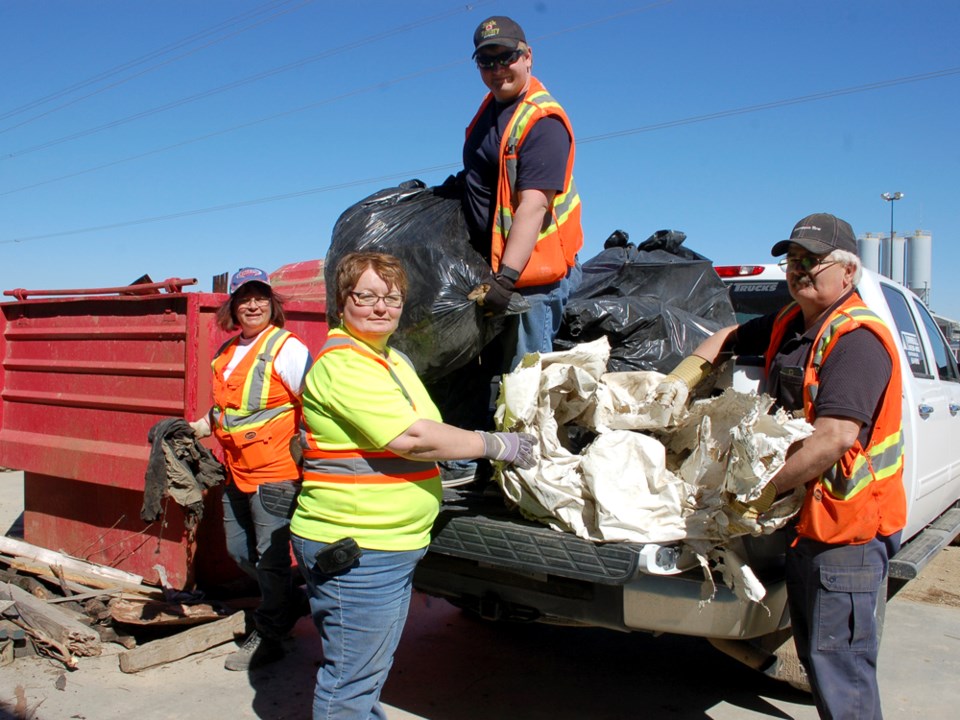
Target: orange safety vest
862	495
356	466
255	415
561	235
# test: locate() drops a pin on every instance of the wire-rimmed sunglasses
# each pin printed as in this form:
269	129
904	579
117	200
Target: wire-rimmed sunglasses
807	263
367	299
488	62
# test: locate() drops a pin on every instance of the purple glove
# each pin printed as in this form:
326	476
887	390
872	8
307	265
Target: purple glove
509	447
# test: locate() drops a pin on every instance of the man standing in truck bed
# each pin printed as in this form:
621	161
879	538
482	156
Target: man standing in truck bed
834	359
520	201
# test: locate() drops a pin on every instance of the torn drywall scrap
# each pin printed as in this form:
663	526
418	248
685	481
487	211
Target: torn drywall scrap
603	483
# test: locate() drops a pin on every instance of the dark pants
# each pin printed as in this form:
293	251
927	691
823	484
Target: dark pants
833	592
259	543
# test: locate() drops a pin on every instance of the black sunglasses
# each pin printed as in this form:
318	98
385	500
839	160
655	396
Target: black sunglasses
487	62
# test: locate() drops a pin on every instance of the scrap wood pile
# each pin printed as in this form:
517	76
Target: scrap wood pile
65	608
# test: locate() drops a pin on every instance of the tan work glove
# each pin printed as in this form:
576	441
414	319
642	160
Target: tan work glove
201	427
674	389
744	516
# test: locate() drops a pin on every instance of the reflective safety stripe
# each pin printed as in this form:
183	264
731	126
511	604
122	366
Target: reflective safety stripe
381	466
233	420
257	388
862	494
831	331
253	412
563	203
883	460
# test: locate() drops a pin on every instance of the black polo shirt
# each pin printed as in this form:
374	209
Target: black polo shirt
852	380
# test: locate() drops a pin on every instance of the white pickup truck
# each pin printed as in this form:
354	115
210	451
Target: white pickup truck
488	560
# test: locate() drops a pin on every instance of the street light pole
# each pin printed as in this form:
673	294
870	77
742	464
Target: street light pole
888	260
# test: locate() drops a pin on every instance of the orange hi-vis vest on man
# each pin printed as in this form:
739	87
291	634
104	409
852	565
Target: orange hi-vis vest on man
561	235
862	495
254	414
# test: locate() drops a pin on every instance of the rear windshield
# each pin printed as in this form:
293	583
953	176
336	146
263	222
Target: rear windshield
753	298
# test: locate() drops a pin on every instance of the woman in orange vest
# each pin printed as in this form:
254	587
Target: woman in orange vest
257	381
371	437
831	358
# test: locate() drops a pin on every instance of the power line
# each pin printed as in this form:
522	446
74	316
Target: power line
242	126
116	70
370	88
775	104
246	81
591	139
235	205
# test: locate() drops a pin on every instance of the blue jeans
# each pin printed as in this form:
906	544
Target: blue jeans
360	613
534	330
260	544
832	592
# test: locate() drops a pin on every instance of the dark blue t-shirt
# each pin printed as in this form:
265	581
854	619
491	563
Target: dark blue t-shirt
541	165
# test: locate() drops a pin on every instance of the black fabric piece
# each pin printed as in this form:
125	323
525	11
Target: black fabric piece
179	466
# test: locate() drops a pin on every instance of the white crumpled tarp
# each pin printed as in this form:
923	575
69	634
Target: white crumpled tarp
642	476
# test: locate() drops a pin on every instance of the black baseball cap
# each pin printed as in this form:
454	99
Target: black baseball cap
498	30
820	234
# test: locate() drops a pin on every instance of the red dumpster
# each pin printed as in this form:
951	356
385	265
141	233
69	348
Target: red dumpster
84	375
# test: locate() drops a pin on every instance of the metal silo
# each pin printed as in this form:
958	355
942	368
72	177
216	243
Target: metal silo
920	263
898	259
868	248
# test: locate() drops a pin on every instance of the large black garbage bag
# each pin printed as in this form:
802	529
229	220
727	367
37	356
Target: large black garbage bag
441	328
655	303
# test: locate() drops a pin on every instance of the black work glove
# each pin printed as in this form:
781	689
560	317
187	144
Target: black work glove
497	299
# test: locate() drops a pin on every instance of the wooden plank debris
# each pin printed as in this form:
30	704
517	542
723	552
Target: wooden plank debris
50	623
68	571
157	612
183	644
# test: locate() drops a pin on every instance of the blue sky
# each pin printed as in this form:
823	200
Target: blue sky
184	138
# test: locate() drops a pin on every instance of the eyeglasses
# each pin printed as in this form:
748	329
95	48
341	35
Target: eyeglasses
487	62
807	263
367	299
258	301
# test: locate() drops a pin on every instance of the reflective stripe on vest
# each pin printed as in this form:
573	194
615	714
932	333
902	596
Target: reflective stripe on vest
563	203
884	456
253	412
369	467
862	494
561	235
364	467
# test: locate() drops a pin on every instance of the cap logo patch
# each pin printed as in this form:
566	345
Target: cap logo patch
490	30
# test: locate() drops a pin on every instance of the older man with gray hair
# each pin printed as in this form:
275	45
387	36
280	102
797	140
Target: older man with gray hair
830	357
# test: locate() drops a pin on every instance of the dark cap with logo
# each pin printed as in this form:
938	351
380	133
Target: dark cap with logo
248	274
498	30
820	234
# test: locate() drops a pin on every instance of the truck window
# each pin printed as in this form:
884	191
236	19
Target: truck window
946	365
907	328
754	298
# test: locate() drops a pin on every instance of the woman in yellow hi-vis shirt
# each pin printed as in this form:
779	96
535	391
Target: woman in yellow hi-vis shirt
371	437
